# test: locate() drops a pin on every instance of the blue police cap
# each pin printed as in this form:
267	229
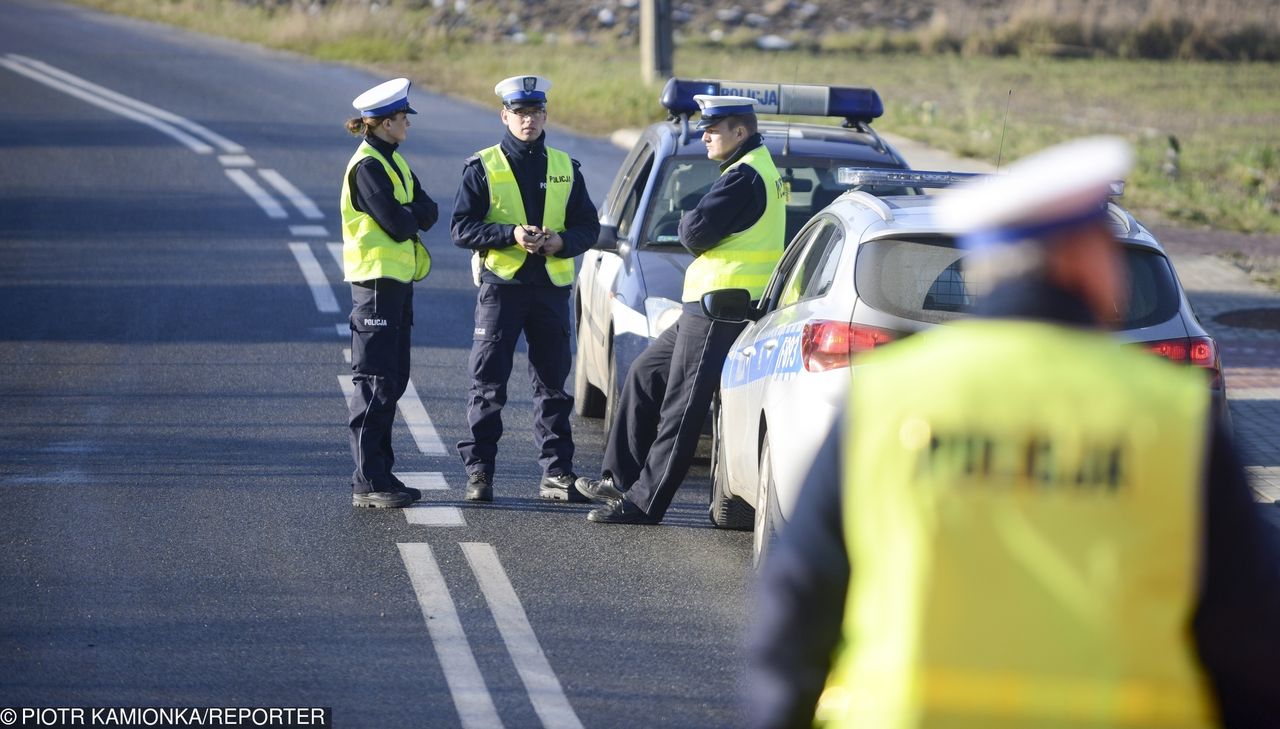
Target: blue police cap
715	108
520	91
385	99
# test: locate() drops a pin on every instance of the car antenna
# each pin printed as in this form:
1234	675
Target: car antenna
1003	125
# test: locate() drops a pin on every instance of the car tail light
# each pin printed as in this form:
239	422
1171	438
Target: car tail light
828	345
1198	351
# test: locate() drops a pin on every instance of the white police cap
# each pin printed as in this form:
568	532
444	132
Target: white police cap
715	108
1054	189
519	91
385	99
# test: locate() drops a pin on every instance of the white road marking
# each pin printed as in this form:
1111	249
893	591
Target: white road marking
257	194
414	414
335	250
195	145
420	425
292	194
346	354
224	144
235	160
311	271
466	683
308	231
344	330
435	516
545	692
425	480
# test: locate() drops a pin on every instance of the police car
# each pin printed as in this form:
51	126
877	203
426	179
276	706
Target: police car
628	287
865	271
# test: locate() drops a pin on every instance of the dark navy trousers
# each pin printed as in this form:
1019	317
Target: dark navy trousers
663	406
381	321
503	312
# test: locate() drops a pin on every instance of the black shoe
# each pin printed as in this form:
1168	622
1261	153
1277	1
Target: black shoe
479	487
601	489
620	512
398	485
382	499
560	488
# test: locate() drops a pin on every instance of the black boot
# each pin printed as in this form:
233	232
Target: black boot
561	488
479	487
601	489
382	499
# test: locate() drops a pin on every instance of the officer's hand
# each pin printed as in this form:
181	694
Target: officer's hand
528	238
552	243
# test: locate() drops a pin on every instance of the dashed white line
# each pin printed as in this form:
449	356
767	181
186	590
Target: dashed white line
425	480
344	330
308	231
435	516
461	672
292	194
420	425
235	160
224	144
545	692
257	194
335	250
195	145
311	271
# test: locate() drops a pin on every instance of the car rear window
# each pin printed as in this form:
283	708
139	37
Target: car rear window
682	181
925	280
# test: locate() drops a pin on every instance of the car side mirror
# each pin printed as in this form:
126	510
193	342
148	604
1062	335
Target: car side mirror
608	239
731	305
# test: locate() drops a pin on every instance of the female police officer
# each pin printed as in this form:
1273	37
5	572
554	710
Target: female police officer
383	206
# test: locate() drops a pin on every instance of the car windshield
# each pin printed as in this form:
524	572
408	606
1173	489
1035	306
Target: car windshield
682	181
925	280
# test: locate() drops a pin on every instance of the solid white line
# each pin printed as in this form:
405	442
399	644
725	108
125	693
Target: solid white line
461	672
308	231
415	414
235	160
335	250
259	195
435	516
226	145
311	271
293	194
195	145
545	692
425	480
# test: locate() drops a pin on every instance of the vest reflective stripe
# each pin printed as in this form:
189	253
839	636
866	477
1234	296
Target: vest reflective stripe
507	206
367	251
746	259
1019	566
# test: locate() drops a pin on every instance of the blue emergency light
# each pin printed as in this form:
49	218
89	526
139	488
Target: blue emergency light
852	103
859	176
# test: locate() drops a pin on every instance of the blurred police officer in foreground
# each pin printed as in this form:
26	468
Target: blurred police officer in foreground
736	231
524	208
1032	524
383	207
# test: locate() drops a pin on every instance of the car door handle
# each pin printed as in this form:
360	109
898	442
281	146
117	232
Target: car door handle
769	345
748	351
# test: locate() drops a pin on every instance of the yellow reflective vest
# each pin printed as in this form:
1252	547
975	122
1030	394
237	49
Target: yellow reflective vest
367	251
507	206
746	259
1021	506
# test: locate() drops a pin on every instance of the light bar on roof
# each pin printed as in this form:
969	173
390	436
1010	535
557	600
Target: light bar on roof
857	104
859	176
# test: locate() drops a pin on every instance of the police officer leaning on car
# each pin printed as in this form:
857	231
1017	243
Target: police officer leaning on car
524	208
1032	523
736	231
383	207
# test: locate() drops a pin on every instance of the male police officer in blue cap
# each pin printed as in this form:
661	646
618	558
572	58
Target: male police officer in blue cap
736	231
1025	521
524	208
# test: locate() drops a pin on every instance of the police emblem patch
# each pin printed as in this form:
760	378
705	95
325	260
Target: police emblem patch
530	83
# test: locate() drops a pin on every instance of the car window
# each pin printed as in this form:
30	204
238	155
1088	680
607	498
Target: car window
816	269
812	184
925	279
788	263
631	190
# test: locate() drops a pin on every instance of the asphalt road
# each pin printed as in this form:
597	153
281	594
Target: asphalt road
173	456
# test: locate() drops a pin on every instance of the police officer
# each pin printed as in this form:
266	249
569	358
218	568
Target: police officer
524	209
1032	524
383	207
736	231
